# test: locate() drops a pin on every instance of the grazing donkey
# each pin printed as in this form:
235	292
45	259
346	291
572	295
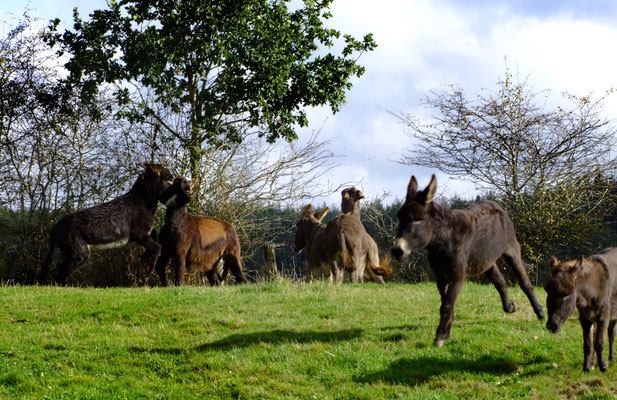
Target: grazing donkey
590	284
196	242
128	218
460	243
350	205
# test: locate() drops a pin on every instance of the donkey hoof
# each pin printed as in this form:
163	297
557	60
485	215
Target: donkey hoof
511	308
438	342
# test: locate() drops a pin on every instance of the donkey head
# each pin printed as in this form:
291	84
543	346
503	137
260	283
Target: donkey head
415	227
350	198
307	226
561	292
179	194
154	180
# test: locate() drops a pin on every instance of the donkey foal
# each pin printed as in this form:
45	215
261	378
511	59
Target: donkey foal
589	284
460	243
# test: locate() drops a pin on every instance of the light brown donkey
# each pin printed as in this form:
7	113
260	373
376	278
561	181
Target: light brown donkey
338	245
350	205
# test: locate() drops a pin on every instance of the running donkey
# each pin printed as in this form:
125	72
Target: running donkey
460	243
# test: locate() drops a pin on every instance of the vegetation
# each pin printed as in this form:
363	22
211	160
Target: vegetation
552	169
207	73
283	340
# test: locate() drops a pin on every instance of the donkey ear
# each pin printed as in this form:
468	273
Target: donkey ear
345	194
322	214
360	195
577	267
553	262
412	187
308	210
430	190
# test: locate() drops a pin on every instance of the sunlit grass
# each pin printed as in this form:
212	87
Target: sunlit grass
283	340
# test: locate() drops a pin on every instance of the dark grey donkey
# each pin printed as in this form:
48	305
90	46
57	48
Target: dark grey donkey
460	243
128	218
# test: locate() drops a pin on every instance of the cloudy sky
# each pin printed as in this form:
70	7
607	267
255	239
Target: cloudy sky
564	45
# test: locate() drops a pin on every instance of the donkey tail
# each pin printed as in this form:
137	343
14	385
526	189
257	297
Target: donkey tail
47	261
384	269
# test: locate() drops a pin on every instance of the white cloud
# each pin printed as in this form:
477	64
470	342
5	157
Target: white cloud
423	44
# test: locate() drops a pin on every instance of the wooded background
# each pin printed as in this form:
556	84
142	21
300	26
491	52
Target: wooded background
80	109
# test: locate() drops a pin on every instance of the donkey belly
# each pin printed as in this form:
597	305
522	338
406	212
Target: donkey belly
111	234
110	245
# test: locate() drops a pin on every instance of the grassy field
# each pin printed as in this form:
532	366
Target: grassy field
285	340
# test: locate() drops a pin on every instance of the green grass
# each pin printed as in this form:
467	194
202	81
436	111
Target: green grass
306	341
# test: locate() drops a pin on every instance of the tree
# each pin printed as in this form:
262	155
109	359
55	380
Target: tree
507	142
49	164
546	166
219	67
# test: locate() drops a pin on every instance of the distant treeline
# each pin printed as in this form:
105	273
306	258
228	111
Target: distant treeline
23	243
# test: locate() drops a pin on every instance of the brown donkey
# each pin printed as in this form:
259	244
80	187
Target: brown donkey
128	218
589	284
311	235
196	242
460	243
350	205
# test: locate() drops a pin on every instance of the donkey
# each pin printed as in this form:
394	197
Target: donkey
350	205
590	284
460	243
194	241
128	218
311	234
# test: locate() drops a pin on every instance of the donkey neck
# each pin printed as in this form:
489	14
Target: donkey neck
347	207
593	281
310	234
175	216
443	223
145	194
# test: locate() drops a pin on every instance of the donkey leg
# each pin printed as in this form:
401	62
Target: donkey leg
232	261
180	270
587	343
214	278
598	344
513	258
153	250
73	256
495	276
611	340
161	266
449	293
337	273
356	277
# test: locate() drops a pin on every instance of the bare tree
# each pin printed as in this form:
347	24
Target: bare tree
543	164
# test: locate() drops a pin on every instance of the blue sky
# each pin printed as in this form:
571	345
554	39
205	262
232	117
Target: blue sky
425	44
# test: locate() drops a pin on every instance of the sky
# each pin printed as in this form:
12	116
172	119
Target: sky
423	45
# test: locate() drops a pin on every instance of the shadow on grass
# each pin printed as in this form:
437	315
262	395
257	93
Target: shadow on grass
415	371
279	336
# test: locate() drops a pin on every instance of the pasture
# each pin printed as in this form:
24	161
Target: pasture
284	340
